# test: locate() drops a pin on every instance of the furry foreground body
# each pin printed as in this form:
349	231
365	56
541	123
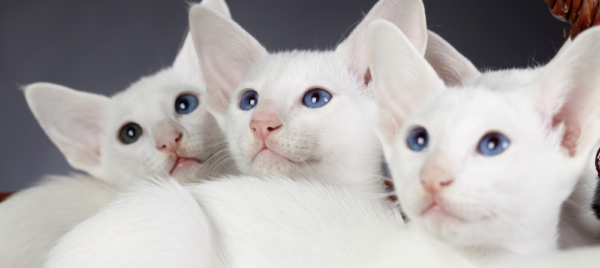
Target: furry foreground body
87	127
31	221
248	222
575	258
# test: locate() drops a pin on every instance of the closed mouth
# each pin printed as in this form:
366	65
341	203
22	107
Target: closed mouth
265	148
435	207
181	162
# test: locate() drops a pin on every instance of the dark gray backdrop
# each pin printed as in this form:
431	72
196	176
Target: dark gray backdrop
103	46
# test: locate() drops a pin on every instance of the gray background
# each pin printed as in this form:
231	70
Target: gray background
103	46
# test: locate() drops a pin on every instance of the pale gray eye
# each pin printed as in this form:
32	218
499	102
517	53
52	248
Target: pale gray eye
130	133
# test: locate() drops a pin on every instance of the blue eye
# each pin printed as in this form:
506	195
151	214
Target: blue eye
493	144
249	100
316	98
418	139
186	104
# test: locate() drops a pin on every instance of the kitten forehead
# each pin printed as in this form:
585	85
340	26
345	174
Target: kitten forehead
475	110
297	71
164	82
506	79
150	96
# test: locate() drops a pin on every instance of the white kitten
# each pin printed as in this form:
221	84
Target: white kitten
157	126
578	223
482	169
299	114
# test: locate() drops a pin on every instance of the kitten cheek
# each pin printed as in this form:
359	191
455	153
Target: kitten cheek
411	202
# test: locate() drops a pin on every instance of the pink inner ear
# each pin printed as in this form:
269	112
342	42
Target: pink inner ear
572	132
368	77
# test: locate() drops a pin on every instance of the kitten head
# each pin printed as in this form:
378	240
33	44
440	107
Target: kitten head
157	126
298	113
475	165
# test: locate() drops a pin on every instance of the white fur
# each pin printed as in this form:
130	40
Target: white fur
85	126
575	258
32	221
160	226
247	222
501	206
330	143
578	223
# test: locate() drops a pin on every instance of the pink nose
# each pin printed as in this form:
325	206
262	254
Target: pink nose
435	187
264	121
435	179
168	140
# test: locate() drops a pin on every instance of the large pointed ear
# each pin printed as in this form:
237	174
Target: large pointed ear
564	46
186	60
75	121
567	93
452	67
402	79
226	52
218	5
408	15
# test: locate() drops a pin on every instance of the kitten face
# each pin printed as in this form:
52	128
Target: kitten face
158	126
288	132
464	196
171	142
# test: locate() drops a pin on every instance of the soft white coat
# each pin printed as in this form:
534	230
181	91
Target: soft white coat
248	222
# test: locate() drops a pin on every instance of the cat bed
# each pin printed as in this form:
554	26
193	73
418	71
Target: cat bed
4	196
581	14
